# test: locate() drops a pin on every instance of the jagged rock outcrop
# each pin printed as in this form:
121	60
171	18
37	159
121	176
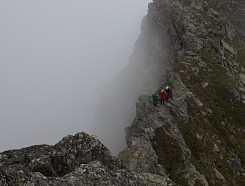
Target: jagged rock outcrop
75	160
197	138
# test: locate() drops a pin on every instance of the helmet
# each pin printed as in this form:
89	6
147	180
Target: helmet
167	87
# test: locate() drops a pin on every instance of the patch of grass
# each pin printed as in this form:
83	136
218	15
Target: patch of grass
203	156
207	56
217	96
239	44
168	150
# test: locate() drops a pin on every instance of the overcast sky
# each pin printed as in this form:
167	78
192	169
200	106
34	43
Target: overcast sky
56	59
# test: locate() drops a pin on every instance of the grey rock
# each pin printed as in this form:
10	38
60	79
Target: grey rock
197	4
227	47
216	149
230	31
204	85
235	162
212	12
140	159
242	79
190	53
219	175
202	64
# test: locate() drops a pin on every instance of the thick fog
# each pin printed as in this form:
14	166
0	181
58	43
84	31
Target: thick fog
145	74
57	58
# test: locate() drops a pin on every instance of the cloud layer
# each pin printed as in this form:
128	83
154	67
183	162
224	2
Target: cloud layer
56	59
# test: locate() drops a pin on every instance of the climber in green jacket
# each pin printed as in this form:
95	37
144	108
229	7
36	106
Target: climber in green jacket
155	98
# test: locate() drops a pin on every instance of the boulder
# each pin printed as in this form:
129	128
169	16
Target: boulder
228	48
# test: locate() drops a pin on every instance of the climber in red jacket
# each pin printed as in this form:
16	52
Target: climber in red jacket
162	96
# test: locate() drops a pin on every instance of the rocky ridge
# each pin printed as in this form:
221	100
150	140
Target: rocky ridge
195	139
198	138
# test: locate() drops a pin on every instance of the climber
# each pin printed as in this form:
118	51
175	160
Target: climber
162	96
155	98
169	93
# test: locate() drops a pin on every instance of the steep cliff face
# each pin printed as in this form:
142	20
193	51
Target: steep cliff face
197	138
144	74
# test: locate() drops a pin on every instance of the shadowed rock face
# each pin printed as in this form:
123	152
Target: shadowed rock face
197	138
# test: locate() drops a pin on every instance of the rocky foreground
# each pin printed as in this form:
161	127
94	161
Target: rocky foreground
198	138
75	160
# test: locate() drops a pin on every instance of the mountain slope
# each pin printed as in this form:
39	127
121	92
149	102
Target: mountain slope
197	138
